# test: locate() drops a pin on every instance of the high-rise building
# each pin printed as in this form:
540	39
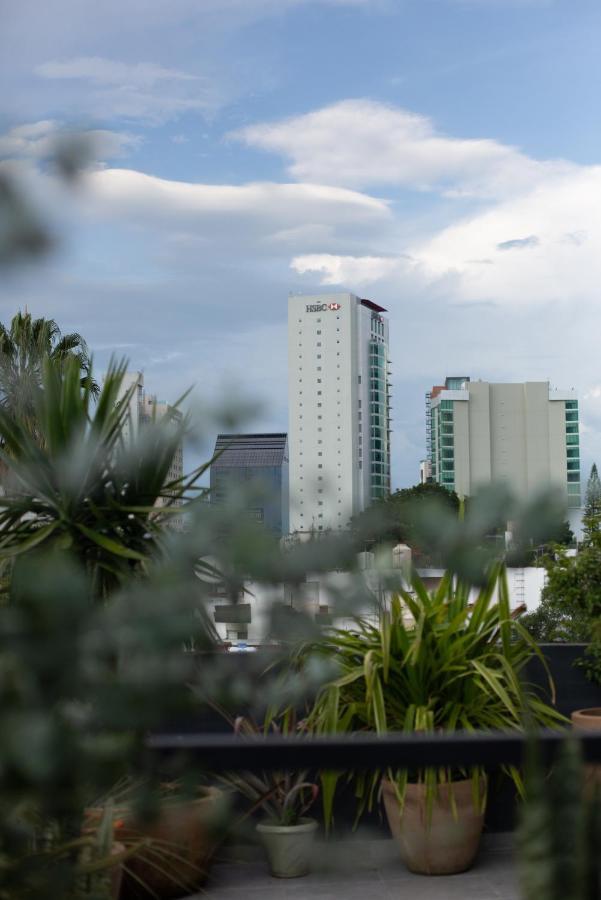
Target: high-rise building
525	435
144	408
339	430
254	466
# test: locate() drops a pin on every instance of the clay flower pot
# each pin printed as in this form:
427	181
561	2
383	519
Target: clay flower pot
186	829
445	844
181	843
288	847
589	720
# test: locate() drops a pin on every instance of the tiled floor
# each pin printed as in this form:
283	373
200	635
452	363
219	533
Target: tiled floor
365	869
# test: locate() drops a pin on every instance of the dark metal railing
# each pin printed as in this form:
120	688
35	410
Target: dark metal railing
369	751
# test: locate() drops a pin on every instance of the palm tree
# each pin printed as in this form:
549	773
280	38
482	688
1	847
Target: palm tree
24	346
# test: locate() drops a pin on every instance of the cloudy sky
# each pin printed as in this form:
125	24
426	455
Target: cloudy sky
442	157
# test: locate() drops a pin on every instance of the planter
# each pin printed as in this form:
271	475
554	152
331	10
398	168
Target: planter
448	843
589	720
181	844
288	847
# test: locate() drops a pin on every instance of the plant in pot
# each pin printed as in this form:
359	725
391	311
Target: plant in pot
439	661
171	834
285	798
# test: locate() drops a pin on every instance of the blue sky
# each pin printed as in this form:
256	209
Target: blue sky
440	156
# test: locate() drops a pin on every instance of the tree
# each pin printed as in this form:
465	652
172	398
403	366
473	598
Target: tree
392	520
24	346
591	518
570	608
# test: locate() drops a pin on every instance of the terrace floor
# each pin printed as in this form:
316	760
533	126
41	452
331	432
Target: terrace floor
364	869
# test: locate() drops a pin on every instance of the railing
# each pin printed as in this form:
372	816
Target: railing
370	751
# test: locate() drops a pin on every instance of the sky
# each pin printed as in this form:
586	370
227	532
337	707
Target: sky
441	157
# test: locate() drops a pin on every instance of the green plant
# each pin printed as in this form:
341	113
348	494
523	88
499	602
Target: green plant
591	517
444	660
570	608
393	519
24	347
559	835
285	797
86	488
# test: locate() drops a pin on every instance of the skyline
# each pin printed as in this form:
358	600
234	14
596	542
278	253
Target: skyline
440	158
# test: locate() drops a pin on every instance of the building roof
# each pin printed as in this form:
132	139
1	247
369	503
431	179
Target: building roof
251	449
371	305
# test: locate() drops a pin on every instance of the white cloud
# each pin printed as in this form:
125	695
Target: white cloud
362	142
544	245
357	270
142	90
131	195
39	140
111	72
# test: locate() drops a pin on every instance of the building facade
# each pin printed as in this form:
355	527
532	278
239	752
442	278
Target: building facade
145	408
254	466
525	435
339	409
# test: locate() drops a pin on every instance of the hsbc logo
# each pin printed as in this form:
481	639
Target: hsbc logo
322	307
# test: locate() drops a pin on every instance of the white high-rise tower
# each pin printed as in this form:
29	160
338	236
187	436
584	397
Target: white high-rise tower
339	429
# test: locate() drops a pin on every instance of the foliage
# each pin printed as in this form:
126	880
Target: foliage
86	488
570	608
80	685
591	517
393	519
441	660
285	797
553	622
24	347
559	837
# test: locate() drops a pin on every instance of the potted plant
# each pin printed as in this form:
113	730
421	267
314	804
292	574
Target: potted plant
286	833
437	661
170	853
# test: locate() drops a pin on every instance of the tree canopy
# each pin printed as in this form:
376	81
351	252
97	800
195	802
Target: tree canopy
392	519
24	346
591	518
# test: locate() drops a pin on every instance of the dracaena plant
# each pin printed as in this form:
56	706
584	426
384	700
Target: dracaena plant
437	661
284	796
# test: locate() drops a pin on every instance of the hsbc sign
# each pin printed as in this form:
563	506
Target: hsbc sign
321	307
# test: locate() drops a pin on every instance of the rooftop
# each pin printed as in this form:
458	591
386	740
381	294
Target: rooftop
251	449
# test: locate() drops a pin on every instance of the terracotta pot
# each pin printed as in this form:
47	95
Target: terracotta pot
447	843
181	844
589	720
288	847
